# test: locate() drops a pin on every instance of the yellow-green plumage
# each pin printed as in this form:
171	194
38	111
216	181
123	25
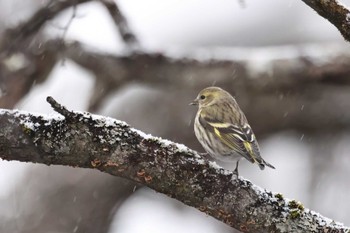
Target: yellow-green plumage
223	130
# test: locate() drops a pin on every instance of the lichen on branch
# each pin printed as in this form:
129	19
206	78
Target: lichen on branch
89	141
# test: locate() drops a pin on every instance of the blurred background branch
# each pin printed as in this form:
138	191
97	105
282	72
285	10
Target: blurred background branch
293	86
122	24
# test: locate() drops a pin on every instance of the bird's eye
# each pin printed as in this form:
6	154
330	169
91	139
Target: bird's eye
202	97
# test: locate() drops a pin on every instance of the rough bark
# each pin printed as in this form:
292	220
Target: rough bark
90	141
334	12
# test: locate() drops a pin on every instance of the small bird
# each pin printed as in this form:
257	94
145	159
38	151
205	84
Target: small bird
223	130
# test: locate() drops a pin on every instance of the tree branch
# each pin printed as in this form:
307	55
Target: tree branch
90	141
334	12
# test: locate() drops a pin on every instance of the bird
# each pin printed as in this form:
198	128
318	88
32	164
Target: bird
223	130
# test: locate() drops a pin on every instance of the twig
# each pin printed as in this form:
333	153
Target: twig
60	108
122	24
71	18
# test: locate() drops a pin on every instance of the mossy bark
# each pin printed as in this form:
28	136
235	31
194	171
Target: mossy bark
111	146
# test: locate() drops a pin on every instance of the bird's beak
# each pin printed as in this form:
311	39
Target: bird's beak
194	102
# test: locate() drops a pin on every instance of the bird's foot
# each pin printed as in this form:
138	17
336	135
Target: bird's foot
206	156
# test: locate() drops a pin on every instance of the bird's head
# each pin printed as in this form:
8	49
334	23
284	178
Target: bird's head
209	96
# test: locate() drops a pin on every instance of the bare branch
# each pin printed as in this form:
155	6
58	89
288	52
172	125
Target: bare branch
122	24
90	141
334	12
269	69
285	90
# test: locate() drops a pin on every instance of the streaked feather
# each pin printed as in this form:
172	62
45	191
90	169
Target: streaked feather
222	129
234	138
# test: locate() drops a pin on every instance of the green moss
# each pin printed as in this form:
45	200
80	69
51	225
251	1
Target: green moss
295	213
279	196
296	208
26	130
301	207
295	205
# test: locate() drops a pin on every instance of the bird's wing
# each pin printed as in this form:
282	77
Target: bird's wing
240	139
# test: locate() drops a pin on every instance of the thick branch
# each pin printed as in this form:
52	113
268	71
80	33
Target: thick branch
334	12
268	69
90	141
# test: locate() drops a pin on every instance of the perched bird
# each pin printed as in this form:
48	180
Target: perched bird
223	130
